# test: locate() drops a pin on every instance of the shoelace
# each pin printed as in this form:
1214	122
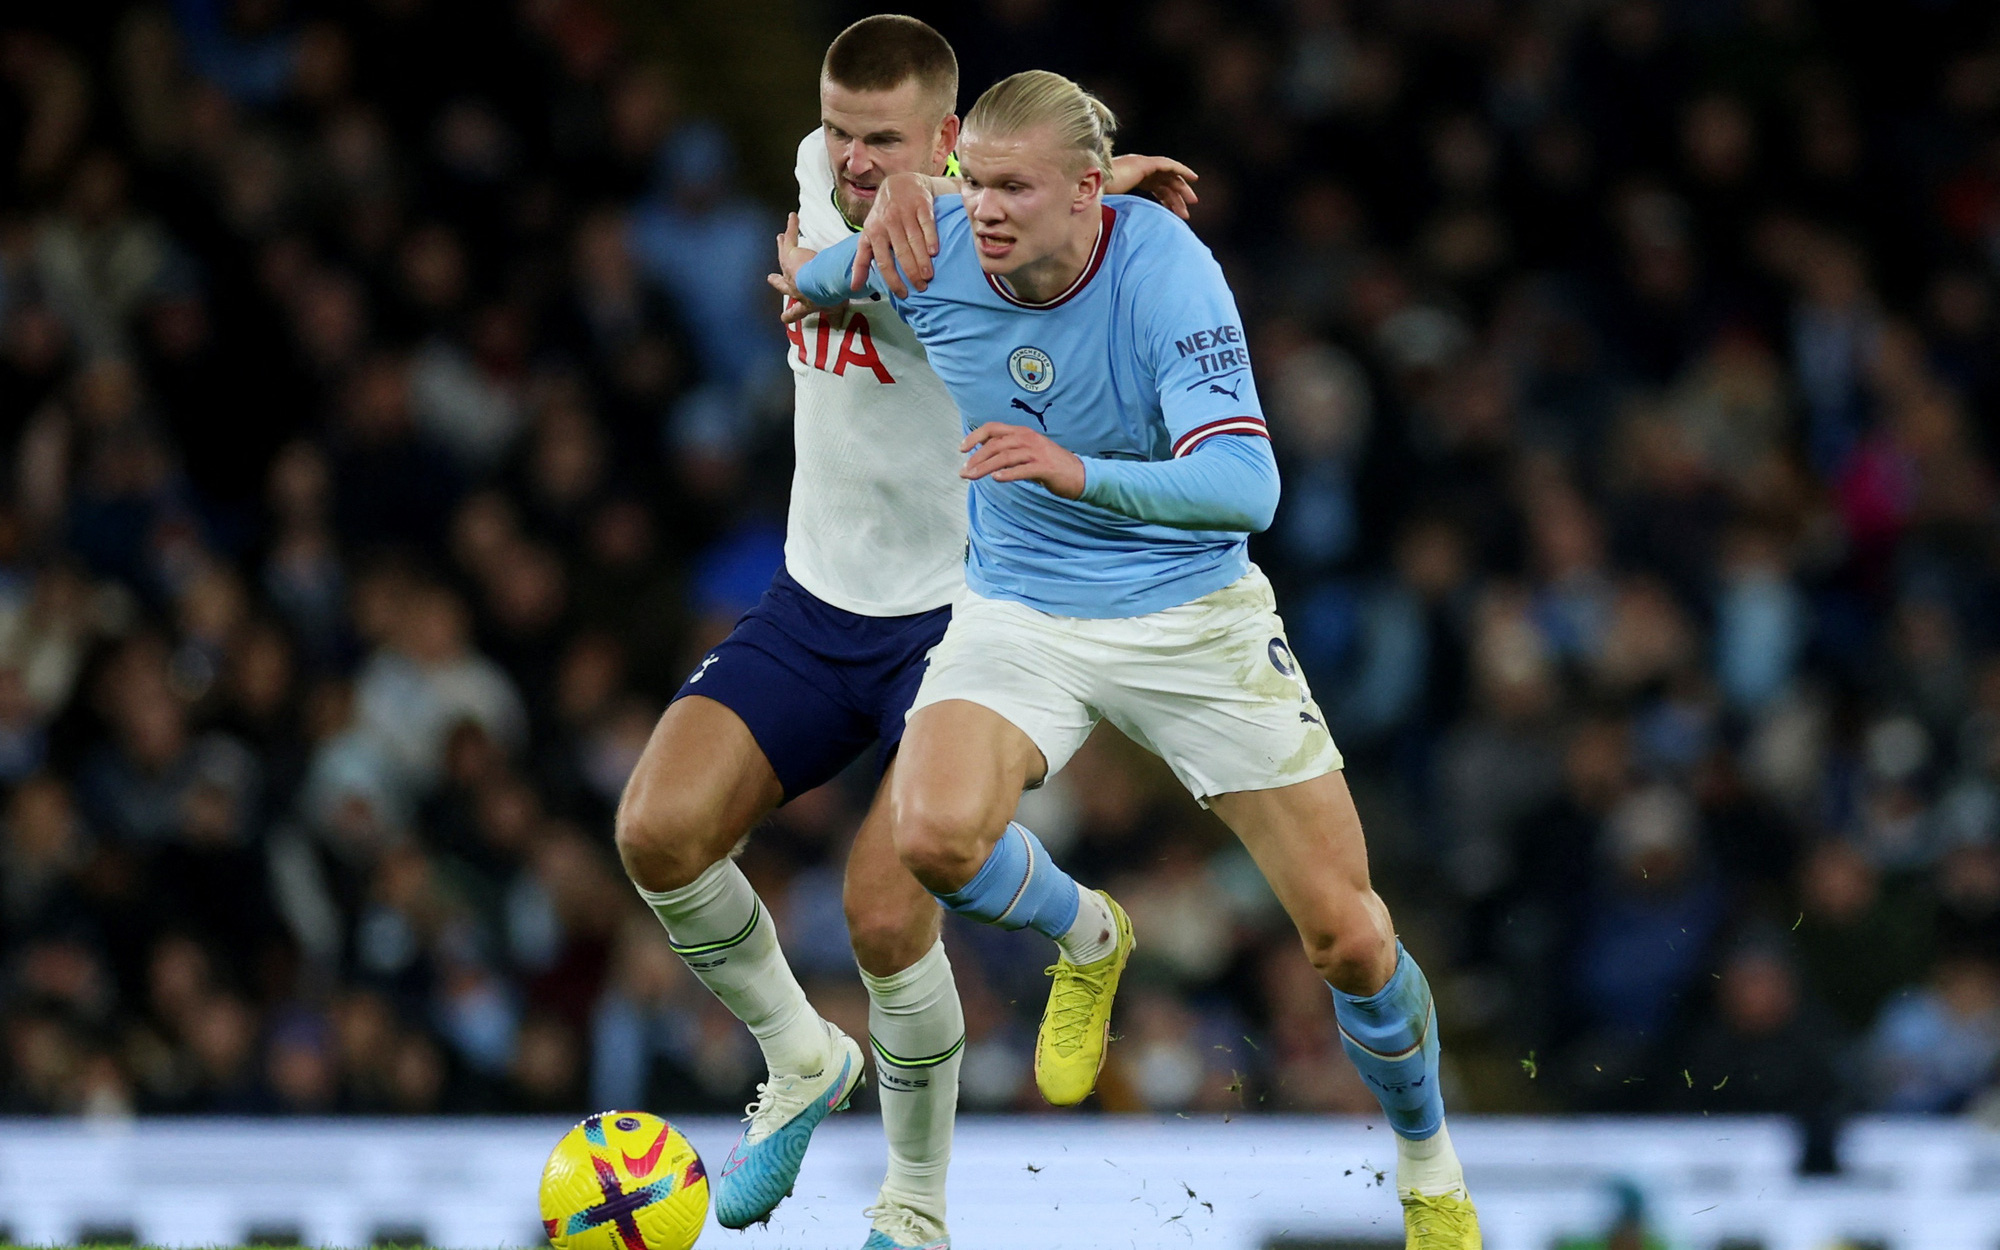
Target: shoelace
1441	1225
892	1219
1070	1001
777	1102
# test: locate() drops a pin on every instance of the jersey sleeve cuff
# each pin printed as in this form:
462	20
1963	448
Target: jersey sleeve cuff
1227	425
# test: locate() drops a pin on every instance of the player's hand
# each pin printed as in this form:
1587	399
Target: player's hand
1165	179
791	259
902	223
1015	453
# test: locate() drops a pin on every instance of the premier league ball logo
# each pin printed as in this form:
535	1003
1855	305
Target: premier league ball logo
1033	371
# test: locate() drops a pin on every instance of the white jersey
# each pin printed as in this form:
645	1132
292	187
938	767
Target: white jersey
877	524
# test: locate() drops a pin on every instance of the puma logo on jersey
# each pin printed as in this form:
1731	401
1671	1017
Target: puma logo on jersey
1231	392
1022	404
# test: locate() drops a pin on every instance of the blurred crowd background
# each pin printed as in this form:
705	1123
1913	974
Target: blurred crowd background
393	411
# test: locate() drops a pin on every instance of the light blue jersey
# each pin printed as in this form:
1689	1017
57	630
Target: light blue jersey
1141	360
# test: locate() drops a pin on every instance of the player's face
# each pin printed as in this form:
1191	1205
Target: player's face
872	134
1029	199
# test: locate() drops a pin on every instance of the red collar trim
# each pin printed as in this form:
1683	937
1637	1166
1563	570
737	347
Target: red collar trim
1097	255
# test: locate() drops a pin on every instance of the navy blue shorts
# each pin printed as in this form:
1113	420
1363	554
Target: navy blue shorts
817	684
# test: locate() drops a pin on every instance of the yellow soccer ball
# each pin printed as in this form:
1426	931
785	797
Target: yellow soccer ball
624	1180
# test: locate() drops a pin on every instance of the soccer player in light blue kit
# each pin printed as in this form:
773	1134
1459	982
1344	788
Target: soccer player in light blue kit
1119	458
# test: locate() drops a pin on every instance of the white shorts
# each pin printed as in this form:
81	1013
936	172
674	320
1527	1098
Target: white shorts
1211	686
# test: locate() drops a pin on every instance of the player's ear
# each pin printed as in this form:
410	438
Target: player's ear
1088	187
947	139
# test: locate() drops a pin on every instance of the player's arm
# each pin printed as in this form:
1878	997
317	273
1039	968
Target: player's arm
1161	177
902	222
1187	334
816	183
1223	483
825	289
826	278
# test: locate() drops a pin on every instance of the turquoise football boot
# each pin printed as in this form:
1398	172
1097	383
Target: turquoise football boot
897	1227
764	1163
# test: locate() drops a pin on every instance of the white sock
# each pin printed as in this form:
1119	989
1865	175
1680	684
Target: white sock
722	931
1093	934
915	1015
1429	1167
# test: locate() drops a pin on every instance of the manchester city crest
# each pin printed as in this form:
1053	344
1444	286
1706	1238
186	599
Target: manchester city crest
1033	371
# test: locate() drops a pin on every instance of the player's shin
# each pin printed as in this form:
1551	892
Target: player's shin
1391	1035
721	930
1020	887
916	1028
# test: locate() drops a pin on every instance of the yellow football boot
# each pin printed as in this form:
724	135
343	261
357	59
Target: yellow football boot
1069	1050
1446	1222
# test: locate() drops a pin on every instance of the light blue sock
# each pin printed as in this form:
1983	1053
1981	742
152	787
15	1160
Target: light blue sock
1018	887
1391	1036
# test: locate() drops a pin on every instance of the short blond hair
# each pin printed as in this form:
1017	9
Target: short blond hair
1037	97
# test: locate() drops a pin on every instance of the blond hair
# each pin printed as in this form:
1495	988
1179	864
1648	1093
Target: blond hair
1037	97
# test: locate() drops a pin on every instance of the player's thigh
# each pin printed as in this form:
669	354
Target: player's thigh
1212	687
891	918
999	709
700	785
1306	839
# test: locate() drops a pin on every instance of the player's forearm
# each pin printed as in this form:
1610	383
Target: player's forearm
824	279
1228	483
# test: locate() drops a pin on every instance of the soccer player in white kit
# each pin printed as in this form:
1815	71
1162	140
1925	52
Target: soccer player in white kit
827	663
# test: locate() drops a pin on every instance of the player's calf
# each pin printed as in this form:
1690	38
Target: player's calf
723	932
1020	887
725	935
1017	886
698	788
958	780
891	923
916	1031
1391	1035
1307	839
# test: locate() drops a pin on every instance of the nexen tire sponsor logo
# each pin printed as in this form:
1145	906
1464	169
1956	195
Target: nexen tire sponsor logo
1215	350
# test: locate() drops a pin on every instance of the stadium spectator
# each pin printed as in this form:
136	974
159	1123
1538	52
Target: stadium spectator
1934	1047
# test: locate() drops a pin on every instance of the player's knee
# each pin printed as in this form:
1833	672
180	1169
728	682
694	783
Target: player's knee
939	840
667	838
1345	960
1348	949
